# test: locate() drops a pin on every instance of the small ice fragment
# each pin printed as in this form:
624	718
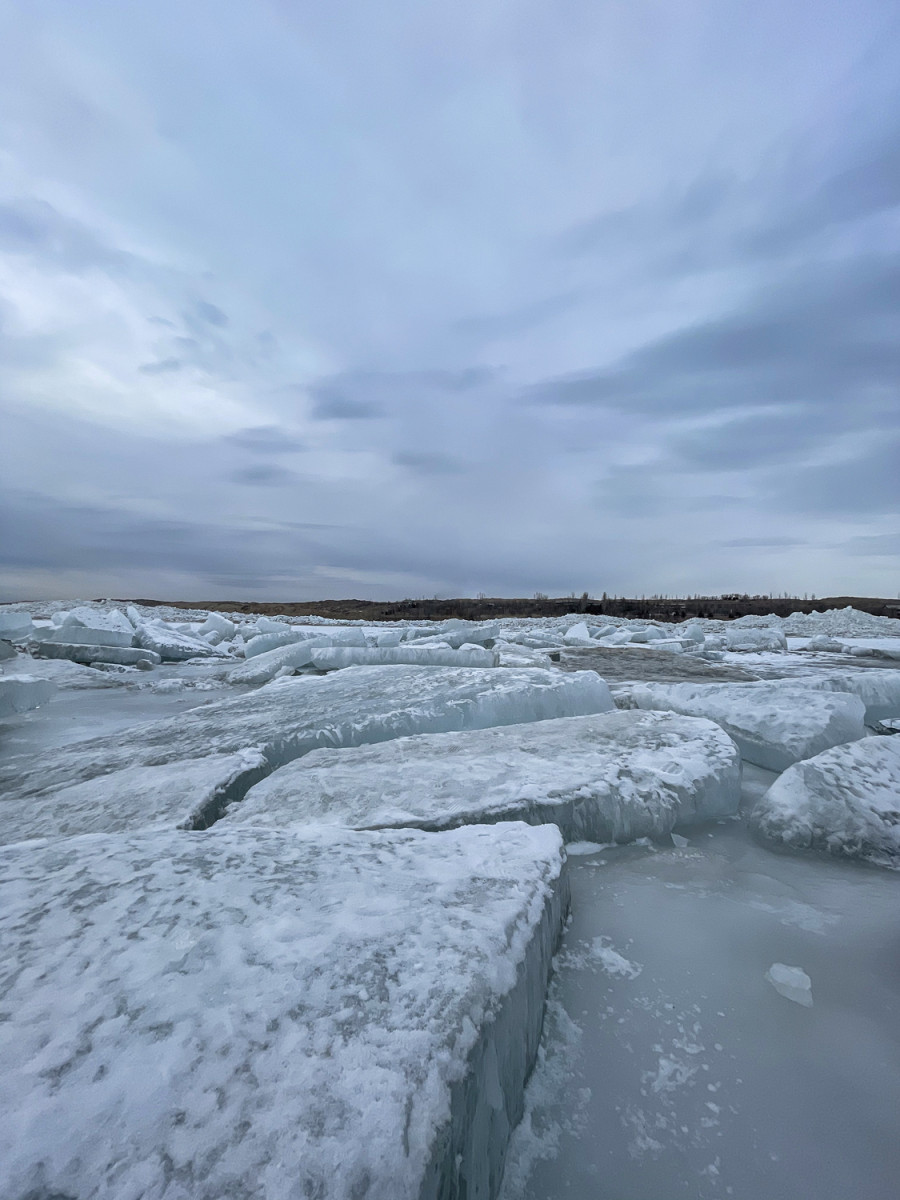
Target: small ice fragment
791	982
679	841
577	848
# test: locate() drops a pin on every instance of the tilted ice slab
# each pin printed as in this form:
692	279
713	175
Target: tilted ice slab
335	658
774	723
91	652
612	777
21	693
171	645
329	1014
16	626
290	717
845	800
260	668
177	795
879	689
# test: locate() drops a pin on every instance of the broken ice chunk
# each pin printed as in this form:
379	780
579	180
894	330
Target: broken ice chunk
791	982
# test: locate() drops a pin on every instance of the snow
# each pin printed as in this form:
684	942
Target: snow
91	652
179	1026
607	778
334	659
290	717
22	693
791	982
774	723
845	801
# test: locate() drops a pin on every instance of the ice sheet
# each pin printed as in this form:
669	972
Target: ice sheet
289	717
607	778
336	1015
774	723
91	652
845	800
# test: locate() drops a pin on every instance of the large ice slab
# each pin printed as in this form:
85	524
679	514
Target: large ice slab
845	800
177	795
92	627
290	717
91	652
334	1015
16	626
21	693
260	668
607	778
775	723
338	657
172	645
878	688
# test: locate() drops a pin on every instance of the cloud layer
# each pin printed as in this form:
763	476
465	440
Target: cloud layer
301	301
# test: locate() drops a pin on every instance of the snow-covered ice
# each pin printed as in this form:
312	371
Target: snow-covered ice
774	723
92	627
184	794
791	982
22	693
290	717
170	644
328	1014
845	801
607	778
879	690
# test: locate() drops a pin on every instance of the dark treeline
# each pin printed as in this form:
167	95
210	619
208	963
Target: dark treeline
483	608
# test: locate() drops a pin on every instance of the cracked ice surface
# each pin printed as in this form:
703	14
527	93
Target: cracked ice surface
612	777
327	1013
288	718
775	724
845	801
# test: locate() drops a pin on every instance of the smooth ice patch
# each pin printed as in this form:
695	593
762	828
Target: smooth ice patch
791	982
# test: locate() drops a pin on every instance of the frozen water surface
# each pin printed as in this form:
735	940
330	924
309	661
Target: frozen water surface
690	1076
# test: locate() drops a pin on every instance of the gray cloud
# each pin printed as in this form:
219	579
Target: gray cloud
427	463
266	439
162	367
264	475
210	313
34	227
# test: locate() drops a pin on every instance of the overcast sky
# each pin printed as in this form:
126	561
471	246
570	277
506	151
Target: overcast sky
408	298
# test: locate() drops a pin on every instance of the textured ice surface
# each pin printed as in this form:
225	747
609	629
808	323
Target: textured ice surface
612	777
774	723
334	1014
879	689
171	645
21	693
91	652
791	982
273	639
845	800
333	659
183	794
290	717
742	638
216	623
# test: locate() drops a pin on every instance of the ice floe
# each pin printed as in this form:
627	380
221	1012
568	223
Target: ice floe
331	1014
22	693
608	778
775	723
845	801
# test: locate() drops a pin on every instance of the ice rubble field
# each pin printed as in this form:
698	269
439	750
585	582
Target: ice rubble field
280	899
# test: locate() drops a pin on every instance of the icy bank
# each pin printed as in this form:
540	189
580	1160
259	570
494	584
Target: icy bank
775	723
845	800
179	1026
613	777
290	717
21	693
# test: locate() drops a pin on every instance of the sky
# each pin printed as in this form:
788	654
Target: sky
304	300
